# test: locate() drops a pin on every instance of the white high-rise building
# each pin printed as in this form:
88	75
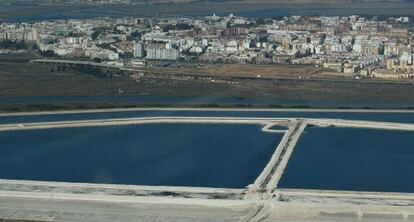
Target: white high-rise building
159	52
139	51
407	57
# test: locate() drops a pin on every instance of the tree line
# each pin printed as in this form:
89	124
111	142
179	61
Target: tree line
13	45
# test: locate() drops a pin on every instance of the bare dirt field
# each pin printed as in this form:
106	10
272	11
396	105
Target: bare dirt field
249	70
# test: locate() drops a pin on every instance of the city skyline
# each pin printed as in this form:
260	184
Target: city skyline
353	45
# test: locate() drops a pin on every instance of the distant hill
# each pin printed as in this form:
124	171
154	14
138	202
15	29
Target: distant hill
11	2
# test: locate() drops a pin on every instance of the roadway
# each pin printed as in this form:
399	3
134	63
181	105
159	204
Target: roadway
207	109
267	123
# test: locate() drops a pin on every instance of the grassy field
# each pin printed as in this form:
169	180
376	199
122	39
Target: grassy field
248	70
25	79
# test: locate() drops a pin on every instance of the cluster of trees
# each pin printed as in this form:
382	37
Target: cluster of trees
179	26
263	21
96	34
88	70
134	36
85	69
14	45
98	31
48	53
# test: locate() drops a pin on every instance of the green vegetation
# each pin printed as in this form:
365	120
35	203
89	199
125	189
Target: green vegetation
88	70
95	34
134	36
13	45
260	21
179	26
48	53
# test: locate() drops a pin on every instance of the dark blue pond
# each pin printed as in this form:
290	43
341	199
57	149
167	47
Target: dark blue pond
229	156
171	100
197	100
352	159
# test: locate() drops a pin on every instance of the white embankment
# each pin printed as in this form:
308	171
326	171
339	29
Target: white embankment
143	120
